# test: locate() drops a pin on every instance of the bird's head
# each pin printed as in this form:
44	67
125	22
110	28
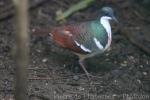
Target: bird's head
108	13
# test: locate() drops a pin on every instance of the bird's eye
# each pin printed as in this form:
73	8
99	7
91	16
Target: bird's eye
107	14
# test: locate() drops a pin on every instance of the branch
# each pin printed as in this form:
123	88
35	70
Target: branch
22	49
79	6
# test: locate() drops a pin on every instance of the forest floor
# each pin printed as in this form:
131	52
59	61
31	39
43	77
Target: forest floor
121	73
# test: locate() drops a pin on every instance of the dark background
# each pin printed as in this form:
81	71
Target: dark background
123	69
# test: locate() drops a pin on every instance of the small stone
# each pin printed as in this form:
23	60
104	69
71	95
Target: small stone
101	86
44	60
75	77
39	51
55	92
81	88
114	95
64	65
141	66
34	62
147	62
46	83
139	81
115	81
123	64
131	57
145	73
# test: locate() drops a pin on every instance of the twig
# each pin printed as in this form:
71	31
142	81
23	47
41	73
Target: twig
42	97
79	6
37	68
22	48
46	78
41	78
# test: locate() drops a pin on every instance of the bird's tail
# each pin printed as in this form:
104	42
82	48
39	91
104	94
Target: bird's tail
41	31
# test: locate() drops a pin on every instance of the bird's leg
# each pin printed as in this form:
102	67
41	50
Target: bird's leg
81	62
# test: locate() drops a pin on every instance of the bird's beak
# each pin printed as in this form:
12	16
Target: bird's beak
115	19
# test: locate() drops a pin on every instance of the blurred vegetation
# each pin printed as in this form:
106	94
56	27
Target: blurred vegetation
79	6
144	3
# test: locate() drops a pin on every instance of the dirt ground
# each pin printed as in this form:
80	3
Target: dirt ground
121	73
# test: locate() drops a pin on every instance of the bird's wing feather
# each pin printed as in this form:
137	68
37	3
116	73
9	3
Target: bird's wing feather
65	37
80	37
92	35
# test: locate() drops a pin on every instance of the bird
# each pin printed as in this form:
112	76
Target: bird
84	39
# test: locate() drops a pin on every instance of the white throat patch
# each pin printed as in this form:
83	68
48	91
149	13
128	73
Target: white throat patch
105	22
